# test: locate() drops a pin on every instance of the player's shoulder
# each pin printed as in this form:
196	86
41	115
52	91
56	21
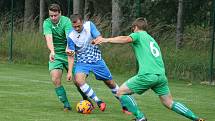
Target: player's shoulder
87	23
47	20
64	19
47	23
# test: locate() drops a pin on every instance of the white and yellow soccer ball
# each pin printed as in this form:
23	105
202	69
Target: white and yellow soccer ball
84	107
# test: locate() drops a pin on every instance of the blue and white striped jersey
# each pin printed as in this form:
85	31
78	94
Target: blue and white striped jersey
81	43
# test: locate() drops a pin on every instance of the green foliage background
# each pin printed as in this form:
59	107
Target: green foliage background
189	63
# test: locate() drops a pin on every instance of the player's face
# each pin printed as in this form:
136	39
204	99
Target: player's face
78	26
54	16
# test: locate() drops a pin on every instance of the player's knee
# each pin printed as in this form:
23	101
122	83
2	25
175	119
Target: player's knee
57	82
120	92
167	100
80	82
167	103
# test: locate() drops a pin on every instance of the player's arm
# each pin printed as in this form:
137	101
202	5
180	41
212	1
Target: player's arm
70	51
70	67
50	45
49	39
118	39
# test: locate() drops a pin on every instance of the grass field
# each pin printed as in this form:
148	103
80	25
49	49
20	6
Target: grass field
27	94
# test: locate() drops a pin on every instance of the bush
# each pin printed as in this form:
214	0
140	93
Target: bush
191	62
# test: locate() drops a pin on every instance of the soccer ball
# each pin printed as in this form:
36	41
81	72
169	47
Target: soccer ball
84	107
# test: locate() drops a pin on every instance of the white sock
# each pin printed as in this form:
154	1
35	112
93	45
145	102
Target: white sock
89	92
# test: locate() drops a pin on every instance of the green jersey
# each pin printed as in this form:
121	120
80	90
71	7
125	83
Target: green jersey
59	32
148	53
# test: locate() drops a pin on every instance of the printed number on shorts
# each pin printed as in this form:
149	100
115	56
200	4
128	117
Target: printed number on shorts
155	52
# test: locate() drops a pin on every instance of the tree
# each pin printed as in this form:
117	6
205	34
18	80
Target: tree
78	6
179	27
116	13
42	14
28	14
88	9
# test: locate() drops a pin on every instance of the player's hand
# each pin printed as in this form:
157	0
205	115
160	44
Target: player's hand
98	41
70	52
69	76
52	56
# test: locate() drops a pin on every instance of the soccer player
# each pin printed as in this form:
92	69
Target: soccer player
151	74
55	29
88	59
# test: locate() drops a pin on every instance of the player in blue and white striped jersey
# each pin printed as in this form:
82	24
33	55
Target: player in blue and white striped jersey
88	59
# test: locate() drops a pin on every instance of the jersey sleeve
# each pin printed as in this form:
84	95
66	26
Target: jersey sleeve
134	36
94	31
71	44
47	28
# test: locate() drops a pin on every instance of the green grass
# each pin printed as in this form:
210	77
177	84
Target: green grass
27	94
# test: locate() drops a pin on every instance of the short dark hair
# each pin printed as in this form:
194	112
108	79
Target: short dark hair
54	7
76	17
141	23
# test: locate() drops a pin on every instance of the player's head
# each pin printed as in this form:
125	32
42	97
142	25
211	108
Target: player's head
77	22
54	13
139	24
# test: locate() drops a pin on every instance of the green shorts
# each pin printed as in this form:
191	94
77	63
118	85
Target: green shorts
141	83
60	62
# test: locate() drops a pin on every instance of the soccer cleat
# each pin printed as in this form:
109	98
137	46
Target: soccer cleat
125	110
102	105
67	109
199	119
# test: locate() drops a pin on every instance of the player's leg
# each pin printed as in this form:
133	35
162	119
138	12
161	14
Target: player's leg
56	71
84	97
114	88
102	72
166	99
124	93
56	75
81	72
178	107
80	80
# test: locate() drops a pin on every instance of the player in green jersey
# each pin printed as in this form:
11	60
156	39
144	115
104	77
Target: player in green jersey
55	29
151	74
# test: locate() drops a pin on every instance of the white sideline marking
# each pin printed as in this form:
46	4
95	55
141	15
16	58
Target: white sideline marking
11	78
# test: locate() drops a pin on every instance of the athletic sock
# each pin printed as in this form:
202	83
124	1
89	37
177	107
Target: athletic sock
61	93
84	96
183	110
131	105
87	90
114	91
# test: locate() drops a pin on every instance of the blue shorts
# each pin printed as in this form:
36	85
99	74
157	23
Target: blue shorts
99	69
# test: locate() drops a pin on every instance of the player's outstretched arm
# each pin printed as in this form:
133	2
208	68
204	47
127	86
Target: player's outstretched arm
118	39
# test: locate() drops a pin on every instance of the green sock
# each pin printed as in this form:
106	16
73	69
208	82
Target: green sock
131	105
61	93
183	110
